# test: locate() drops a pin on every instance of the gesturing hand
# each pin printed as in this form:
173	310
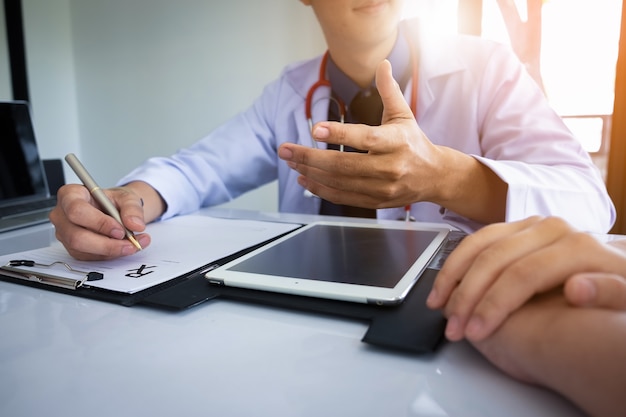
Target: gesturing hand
400	166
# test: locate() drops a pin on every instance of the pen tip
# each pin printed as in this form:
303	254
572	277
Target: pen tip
134	242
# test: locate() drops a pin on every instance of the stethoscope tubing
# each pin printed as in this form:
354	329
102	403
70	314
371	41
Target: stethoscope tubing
324	82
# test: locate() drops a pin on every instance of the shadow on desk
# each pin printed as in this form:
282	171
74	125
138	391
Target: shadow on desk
409	326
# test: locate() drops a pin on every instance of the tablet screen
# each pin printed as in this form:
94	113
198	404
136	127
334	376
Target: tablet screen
371	256
361	262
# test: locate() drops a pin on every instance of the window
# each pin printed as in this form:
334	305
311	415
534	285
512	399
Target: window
579	46
442	14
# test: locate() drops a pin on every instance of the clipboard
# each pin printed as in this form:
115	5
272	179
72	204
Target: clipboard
49	278
166	291
182	248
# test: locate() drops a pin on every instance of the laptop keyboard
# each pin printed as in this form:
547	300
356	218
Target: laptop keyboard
33	206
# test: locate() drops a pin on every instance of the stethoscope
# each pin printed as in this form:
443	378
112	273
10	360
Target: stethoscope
324	82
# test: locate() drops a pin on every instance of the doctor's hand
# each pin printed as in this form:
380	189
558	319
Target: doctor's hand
498	269
401	166
89	234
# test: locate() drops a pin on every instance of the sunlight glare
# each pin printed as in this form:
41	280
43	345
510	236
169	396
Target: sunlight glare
437	16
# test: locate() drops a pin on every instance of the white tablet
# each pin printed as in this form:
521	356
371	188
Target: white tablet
360	262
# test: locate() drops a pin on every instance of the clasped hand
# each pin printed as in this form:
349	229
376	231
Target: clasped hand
497	270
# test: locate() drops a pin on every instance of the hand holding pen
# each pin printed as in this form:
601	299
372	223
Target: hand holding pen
98	194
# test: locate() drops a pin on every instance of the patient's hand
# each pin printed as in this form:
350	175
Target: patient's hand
495	271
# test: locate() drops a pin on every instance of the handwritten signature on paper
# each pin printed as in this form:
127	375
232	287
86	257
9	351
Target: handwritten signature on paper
139	272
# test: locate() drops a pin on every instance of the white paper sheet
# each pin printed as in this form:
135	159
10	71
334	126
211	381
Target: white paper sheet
179	245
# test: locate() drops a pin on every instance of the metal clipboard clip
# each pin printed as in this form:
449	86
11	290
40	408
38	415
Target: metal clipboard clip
16	267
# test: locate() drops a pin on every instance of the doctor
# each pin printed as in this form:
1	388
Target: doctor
466	138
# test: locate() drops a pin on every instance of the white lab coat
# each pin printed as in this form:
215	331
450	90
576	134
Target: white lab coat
474	96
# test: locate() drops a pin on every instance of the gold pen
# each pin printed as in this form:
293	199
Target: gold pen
98	194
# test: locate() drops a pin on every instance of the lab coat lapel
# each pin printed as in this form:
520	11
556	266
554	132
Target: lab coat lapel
434	61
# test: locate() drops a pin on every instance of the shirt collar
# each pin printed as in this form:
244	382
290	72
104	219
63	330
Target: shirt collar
346	89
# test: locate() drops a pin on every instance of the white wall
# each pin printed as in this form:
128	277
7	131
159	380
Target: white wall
118	81
51	76
5	75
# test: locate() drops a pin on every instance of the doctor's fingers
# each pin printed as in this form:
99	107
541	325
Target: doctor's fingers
355	191
85	244
396	109
130	206
76	207
599	290
306	160
538	272
337	196
382	180
379	139
490	277
69	192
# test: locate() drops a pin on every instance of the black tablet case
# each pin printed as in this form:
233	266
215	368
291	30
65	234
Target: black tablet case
409	326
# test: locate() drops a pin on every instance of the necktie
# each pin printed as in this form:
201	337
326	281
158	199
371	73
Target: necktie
365	108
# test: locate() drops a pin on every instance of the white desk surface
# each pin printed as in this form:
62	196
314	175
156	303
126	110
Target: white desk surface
34	237
68	356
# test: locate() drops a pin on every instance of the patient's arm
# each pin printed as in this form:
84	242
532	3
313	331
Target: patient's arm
579	352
